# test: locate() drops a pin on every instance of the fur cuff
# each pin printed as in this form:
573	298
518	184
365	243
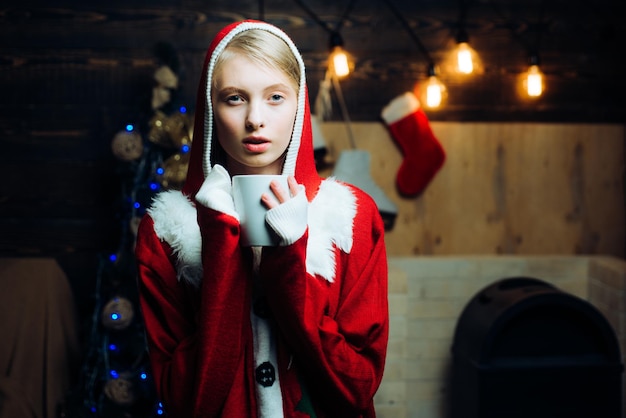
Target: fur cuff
289	220
330	222
216	192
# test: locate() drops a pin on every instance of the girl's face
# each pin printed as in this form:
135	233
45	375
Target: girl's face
255	109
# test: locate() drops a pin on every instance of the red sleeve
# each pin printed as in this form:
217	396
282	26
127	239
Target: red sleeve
195	353
169	322
338	331
224	320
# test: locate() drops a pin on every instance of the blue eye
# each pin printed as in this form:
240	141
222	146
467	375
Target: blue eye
234	99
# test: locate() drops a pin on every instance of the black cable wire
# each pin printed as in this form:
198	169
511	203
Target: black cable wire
461	33
410	31
323	24
344	17
317	20
462	13
540	23
532	50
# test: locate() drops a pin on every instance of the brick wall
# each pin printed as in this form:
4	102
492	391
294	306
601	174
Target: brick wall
428	294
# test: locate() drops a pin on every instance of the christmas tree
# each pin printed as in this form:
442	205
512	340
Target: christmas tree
115	379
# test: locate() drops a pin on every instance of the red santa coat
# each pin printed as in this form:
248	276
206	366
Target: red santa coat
324	288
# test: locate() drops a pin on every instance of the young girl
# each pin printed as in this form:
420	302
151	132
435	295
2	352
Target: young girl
295	330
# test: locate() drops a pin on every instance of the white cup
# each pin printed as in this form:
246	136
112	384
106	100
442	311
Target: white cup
247	191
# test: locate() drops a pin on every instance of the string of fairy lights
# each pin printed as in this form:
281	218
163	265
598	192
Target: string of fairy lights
433	91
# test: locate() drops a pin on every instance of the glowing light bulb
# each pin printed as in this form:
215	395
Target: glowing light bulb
434	92
534	81
340	64
464	58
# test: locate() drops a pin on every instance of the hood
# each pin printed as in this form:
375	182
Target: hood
299	160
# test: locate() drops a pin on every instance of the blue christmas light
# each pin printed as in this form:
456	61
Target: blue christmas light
154	186
136	205
112	347
114	374
143	376
185	148
160	171
130	128
113	258
93	409
183	109
115	316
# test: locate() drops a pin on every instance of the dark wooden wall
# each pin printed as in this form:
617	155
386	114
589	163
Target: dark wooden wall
73	73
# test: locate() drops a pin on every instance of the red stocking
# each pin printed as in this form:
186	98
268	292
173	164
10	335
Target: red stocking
422	152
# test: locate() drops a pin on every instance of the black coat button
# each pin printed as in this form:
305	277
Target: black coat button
265	374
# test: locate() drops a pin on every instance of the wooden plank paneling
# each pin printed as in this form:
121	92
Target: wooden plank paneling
505	188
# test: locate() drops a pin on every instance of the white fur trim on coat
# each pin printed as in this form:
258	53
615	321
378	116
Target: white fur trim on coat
330	220
175	222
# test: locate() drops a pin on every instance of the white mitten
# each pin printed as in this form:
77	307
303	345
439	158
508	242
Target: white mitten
289	219
216	192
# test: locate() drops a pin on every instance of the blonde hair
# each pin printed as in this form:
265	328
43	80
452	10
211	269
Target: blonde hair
266	49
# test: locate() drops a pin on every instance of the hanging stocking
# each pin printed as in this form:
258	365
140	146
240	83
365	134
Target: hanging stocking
422	152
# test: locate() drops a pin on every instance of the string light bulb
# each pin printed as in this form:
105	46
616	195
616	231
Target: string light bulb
464	54
338	61
435	90
533	80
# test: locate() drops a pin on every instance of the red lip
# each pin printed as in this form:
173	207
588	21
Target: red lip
256	144
255	140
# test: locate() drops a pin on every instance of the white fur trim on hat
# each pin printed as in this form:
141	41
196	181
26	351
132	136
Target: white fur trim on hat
289	167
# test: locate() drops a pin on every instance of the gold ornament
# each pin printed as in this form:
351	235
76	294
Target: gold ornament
165	77
127	146
166	81
158	134
172	131
175	171
160	96
120	390
118	313
178	126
